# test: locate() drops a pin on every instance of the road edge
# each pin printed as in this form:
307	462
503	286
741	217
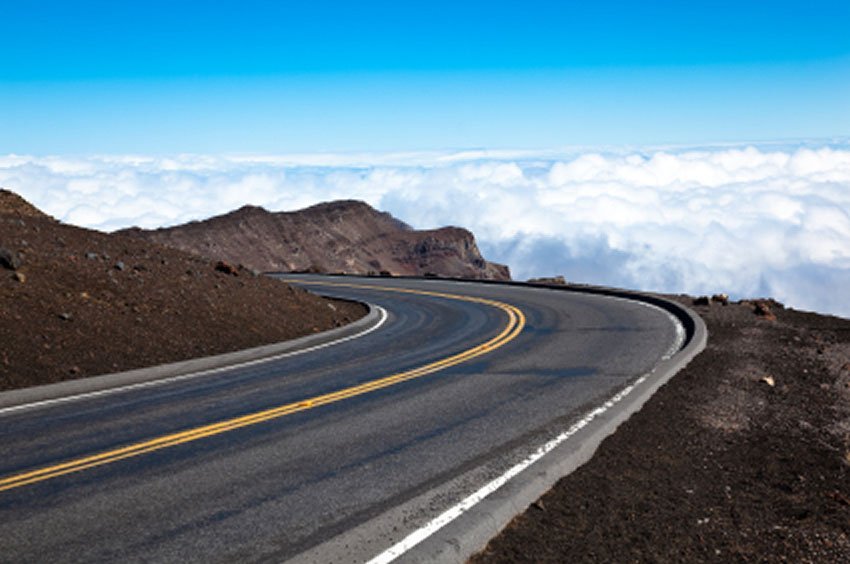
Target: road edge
468	528
470	533
21	398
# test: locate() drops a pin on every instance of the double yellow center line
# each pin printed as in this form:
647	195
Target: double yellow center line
516	322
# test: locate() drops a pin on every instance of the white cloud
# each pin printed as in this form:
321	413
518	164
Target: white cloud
769	220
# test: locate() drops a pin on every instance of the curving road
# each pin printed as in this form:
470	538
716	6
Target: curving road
336	453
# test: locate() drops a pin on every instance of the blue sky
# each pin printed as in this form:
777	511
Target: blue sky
573	105
251	76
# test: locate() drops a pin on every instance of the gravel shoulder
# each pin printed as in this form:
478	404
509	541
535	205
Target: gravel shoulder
744	456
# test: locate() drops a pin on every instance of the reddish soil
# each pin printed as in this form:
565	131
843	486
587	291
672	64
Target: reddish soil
82	303
743	457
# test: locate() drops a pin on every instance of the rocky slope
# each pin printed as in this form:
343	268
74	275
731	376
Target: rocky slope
343	236
76	302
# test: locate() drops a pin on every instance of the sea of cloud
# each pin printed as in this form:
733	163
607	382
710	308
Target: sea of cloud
769	220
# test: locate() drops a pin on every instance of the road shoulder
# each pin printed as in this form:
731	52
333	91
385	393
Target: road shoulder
71	389
744	455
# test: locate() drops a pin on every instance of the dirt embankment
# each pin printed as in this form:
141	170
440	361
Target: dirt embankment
743	457
76	302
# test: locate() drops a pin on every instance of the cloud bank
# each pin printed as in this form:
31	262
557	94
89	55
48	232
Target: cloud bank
750	221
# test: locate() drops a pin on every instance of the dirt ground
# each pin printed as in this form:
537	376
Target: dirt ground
76	303
743	457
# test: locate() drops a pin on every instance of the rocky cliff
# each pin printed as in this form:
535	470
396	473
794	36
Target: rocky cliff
343	236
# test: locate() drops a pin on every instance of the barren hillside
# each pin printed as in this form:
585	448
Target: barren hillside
76	302
343	236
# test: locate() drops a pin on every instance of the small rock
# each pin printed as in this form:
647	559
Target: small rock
839	497
767	379
19	277
74	370
702	301
722	299
226	268
762	309
66	316
119	265
9	260
556	280
91	256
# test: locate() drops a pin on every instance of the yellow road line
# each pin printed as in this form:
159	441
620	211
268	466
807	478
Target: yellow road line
516	322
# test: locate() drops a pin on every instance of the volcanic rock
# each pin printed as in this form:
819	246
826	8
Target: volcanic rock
722	299
9	260
552	280
762	309
336	237
226	268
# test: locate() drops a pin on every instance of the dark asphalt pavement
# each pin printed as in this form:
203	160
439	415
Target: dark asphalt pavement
269	491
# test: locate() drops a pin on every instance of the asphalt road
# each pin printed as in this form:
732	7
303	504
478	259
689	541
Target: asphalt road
271	489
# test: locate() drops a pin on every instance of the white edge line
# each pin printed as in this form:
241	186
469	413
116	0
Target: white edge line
466	504
681	335
453	513
140	385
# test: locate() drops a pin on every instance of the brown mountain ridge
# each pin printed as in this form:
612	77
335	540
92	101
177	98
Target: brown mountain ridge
344	236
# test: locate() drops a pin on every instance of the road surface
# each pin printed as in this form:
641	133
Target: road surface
266	462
